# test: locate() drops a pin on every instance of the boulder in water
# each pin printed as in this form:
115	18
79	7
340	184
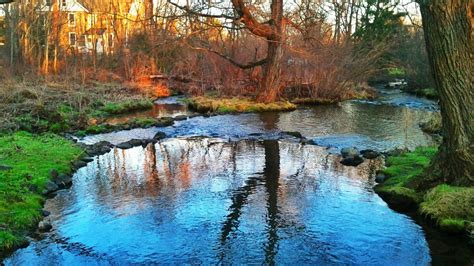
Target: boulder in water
159	135
349	152
370	154
352	160
44	226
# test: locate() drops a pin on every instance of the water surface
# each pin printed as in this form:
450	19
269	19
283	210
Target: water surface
207	201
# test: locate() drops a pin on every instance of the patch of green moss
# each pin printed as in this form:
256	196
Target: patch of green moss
314	101
452	207
31	158
396	72
236	105
401	170
125	107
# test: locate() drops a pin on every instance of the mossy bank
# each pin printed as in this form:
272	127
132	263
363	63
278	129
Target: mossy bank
27	163
450	207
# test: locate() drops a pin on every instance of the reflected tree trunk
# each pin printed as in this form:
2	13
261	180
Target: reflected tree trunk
272	176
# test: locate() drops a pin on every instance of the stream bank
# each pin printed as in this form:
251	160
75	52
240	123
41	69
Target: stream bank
188	174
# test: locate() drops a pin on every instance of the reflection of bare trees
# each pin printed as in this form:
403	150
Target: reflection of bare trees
274	173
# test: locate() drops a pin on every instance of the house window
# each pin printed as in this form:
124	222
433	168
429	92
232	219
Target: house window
72	19
72	38
63	3
48	3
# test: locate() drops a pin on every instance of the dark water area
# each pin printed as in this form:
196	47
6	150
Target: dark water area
208	201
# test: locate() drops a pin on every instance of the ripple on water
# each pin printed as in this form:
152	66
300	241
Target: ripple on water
207	200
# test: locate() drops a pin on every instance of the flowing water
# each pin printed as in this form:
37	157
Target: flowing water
226	197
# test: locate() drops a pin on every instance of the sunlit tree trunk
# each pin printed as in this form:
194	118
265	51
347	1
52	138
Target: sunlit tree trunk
271	82
449	42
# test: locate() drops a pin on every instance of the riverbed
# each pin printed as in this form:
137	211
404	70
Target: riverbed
230	189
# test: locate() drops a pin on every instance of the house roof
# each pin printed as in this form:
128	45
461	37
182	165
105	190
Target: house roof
107	6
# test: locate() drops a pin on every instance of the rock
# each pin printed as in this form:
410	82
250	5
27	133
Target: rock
379	178
165	121
349	152
397	151
293	134
99	148
44	226
63	181
87	159
159	135
5	167
180	117
370	154
50	187
352	160
78	164
135	142
54	173
124	145
45	213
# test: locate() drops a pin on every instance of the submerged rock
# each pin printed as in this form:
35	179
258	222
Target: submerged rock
159	135
352	160
293	134
349	152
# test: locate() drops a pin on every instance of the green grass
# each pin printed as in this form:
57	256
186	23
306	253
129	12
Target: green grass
314	101
404	168
451	207
429	93
32	157
126	107
396	72
236	105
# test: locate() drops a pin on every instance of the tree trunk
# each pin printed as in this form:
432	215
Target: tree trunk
270	84
449	43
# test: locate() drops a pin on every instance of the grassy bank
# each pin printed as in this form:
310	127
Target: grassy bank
27	161
452	208
61	107
235	105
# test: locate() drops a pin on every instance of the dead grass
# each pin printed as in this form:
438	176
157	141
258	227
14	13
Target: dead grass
41	106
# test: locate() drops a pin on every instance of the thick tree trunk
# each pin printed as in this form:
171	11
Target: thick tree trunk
449	43
270	84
